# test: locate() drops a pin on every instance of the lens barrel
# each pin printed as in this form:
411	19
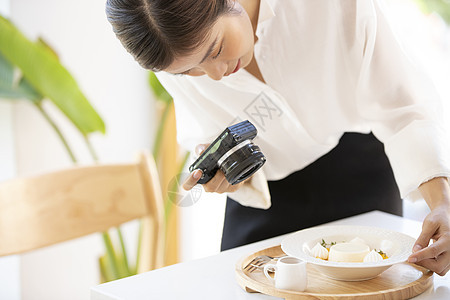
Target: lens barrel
242	163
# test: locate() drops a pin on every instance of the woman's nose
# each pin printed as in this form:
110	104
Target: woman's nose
216	70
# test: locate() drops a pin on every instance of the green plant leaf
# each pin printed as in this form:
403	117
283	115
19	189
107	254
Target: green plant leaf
105	269
157	88
441	7
159	133
11	90
29	91
41	68
42	42
6	72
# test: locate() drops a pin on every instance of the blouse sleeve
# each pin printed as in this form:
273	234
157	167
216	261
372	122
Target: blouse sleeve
402	107
196	124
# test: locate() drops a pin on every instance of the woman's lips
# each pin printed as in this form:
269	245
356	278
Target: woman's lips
237	66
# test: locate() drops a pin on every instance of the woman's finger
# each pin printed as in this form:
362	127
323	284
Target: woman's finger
200	148
432	251
192	180
440	265
215	182
221	187
230	188
429	228
227	187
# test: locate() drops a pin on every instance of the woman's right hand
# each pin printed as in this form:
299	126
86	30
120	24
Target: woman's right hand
217	184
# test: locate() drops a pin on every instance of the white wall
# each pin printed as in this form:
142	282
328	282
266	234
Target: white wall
9	266
117	88
201	227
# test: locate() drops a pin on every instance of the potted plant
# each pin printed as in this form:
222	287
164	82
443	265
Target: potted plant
31	71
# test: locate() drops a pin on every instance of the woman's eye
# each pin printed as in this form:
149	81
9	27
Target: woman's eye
218	53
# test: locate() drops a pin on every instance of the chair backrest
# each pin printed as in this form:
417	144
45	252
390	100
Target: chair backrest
54	207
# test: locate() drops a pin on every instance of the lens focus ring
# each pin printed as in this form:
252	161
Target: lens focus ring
242	163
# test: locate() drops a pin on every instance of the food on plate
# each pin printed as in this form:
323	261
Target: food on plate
358	240
354	251
348	252
324	244
319	251
373	256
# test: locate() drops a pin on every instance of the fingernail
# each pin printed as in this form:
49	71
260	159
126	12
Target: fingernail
412	259
199	149
417	248
197	174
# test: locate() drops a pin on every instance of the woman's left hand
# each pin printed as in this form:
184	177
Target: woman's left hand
436	256
435	227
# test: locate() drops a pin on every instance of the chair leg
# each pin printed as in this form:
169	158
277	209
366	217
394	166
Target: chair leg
152	245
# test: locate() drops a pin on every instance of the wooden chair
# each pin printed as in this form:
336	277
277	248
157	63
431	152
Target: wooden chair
43	210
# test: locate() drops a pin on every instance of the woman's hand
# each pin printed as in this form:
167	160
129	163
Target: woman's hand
217	184
436	227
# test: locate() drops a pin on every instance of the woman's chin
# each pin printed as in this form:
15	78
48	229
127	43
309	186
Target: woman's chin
245	61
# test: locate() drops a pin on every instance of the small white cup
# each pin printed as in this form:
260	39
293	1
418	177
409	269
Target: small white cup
290	274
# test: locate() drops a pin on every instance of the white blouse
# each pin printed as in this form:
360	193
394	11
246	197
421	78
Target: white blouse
330	66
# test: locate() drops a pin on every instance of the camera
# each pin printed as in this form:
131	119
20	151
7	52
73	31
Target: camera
232	152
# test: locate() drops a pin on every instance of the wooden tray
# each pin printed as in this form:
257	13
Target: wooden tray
401	281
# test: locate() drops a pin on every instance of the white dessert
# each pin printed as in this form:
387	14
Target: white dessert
358	240
348	252
373	256
387	247
319	251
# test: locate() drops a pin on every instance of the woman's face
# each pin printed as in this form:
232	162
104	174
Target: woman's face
228	48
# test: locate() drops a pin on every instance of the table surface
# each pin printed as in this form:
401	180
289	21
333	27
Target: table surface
214	277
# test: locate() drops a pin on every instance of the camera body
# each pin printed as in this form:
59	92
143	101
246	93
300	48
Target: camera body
233	152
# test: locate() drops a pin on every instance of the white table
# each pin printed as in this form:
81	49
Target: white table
214	277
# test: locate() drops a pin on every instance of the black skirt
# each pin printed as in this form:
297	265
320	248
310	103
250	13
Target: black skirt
353	178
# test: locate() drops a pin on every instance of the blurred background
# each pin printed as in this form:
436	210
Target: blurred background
120	92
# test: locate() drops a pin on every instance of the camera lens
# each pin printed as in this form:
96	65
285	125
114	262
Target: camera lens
242	163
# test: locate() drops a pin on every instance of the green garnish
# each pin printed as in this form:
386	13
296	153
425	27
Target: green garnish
325	245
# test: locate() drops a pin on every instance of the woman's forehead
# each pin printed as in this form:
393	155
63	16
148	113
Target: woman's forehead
186	62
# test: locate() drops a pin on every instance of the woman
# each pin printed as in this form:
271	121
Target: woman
315	78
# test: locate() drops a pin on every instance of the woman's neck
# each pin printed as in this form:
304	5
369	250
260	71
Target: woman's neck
252	9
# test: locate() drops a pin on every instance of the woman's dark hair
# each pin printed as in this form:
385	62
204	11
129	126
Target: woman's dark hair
157	31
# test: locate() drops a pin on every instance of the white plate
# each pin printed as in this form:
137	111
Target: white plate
300	243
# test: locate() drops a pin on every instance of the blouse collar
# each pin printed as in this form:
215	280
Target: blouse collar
265	11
